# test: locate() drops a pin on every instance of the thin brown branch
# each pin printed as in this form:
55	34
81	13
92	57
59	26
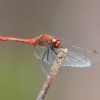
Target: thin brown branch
55	68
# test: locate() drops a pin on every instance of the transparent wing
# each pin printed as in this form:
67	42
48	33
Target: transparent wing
46	64
78	56
75	57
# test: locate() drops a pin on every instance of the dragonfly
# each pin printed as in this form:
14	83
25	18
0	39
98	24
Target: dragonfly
47	48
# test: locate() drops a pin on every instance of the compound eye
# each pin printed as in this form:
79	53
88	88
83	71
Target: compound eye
56	42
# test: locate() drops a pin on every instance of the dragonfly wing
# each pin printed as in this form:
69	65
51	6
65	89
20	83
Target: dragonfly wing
79	56
74	60
46	64
49	58
75	57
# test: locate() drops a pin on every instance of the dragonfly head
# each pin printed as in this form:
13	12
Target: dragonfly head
55	42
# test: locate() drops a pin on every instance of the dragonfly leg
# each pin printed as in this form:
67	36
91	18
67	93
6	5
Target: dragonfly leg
44	54
54	51
47	54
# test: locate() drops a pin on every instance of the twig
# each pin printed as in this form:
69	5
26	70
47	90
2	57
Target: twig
55	68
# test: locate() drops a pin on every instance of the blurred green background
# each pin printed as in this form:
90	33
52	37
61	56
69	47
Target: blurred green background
21	77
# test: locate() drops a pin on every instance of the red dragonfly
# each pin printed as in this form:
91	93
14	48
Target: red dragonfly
48	46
